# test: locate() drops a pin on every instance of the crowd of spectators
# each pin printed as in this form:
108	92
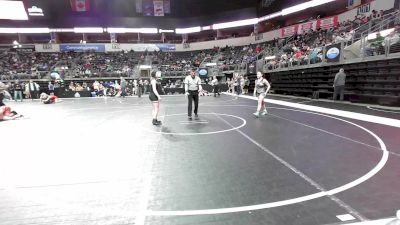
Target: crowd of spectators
300	49
307	48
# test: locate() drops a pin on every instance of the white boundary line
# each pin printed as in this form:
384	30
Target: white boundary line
337	190
381	110
374	171
335	112
244	122
345	206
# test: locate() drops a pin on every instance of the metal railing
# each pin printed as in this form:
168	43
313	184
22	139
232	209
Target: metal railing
376	25
388	49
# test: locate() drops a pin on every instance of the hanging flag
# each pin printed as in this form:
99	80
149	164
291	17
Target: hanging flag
167	6
80	5
148	8
139	7
158	8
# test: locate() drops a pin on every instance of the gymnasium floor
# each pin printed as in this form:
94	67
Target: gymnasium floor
100	161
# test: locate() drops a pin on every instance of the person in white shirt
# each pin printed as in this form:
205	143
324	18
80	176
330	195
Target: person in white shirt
192	88
33	89
261	88
215	84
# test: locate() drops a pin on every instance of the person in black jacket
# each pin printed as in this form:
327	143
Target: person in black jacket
17	91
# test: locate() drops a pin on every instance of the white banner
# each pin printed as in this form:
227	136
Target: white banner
47	48
158	8
139	47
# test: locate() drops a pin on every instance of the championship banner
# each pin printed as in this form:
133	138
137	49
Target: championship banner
327	23
167	6
289	31
148	7
158	7
364	9
353	3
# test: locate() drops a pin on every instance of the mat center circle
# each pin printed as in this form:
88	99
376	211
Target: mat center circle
207	123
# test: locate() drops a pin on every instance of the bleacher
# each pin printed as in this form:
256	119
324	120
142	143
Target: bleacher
375	82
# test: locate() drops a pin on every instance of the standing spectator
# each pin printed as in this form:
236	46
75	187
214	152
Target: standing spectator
338	84
140	88
50	87
123	87
215	84
33	89
246	85
17	91
241	84
135	87
145	84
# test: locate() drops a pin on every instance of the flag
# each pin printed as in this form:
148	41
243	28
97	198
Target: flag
167	6
148	8
139	7
80	5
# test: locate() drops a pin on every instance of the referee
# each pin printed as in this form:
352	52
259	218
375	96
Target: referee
192	88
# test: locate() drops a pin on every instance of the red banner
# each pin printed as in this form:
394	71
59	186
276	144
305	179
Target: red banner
289	31
327	23
304	27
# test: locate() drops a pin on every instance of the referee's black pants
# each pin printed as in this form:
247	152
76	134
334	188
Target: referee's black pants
216	90
193	95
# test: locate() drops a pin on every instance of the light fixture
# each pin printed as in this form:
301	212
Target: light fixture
88	30
270	16
12	10
187	30
35	11
303	6
206	28
238	23
166	31
132	30
62	30
38	30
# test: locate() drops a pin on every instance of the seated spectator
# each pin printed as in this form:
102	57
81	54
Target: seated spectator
391	39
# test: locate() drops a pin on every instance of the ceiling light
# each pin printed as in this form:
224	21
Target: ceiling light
12	10
238	23
187	30
88	30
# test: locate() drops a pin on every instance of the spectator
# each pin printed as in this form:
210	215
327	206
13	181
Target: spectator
338	84
33	89
50	87
17	91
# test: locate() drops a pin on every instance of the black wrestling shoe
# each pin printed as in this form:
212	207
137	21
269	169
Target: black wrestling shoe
190	117
156	123
159	122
